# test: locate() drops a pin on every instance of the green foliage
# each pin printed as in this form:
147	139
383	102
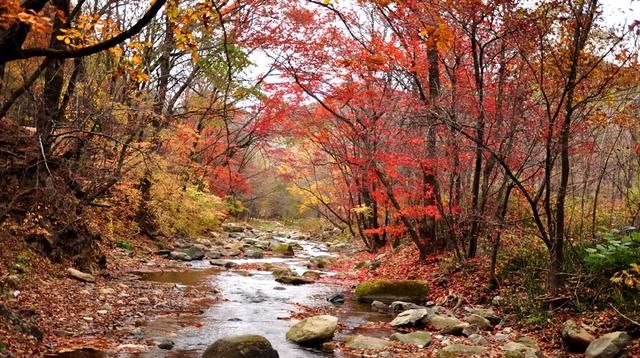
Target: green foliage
22	262
523	270
234	206
618	251
125	245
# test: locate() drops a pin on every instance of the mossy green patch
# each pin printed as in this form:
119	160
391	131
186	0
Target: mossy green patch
388	291
283	249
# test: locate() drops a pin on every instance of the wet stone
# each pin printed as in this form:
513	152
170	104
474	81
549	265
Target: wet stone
166	344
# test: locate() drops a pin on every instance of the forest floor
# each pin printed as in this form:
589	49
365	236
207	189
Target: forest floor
43	310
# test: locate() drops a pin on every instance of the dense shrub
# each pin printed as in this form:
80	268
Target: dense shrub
618	251
184	211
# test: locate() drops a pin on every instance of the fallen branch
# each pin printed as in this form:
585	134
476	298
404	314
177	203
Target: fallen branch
624	316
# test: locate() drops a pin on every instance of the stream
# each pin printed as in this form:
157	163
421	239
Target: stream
255	304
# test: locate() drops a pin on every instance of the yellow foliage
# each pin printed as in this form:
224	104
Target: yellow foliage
183	211
628	278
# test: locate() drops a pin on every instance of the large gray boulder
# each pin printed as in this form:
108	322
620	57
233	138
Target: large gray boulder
365	342
388	291
418	338
610	345
575	338
248	346
410	318
195	252
313	330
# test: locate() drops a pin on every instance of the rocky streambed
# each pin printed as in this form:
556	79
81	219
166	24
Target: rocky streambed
259	280
256	293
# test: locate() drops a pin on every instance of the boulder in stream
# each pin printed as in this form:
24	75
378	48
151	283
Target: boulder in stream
253	253
195	252
336	298
283	249
313	330
388	291
241	347
378	306
293	280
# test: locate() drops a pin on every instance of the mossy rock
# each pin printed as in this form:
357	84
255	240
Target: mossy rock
241	347
281	271
388	291
283	249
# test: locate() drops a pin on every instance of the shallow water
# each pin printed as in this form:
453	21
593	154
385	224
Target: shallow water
254	304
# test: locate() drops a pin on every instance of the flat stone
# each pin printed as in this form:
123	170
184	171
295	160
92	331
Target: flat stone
365	342
520	350
460	350
418	338
294	280
410	318
478	340
447	325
